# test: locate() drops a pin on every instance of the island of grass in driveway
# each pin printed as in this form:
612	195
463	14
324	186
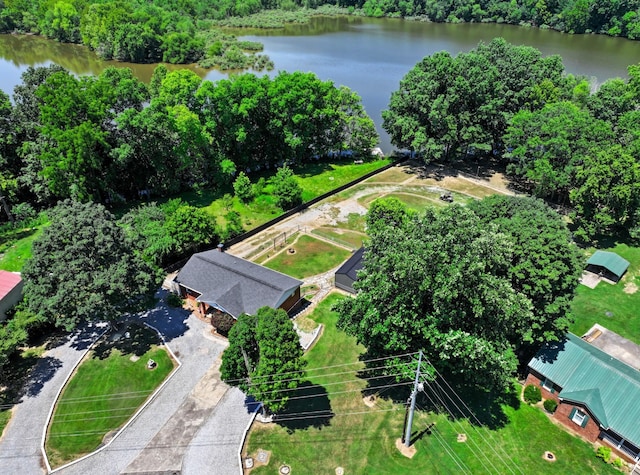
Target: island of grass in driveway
312	256
108	387
361	439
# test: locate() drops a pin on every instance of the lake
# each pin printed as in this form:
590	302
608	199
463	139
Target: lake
368	55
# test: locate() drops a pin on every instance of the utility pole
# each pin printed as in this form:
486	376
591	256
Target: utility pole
412	408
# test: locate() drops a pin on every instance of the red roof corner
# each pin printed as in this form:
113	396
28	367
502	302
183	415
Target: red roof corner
8	281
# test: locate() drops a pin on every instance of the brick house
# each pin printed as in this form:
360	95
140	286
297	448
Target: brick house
214	281
598	395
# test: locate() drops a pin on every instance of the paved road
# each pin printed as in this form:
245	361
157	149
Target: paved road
158	439
20	445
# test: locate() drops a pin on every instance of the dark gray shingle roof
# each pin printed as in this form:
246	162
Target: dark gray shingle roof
352	265
234	284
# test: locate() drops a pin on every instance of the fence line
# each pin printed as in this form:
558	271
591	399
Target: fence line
241	237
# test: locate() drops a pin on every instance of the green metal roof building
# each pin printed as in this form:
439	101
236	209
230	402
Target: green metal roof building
608	263
585	376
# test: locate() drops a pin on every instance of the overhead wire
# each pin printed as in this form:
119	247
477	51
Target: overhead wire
492	445
451	423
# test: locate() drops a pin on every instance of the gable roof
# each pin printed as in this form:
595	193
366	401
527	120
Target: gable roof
587	375
352	265
233	284
610	261
8	282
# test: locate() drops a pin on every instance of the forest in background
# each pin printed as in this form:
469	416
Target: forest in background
188	31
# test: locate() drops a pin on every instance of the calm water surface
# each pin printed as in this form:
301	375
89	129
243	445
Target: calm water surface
368	55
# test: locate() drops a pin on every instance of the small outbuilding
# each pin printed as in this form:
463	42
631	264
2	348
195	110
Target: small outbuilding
348	273
608	265
10	291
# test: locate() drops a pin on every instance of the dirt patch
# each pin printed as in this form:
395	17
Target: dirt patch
408	452
590	279
370	401
630	288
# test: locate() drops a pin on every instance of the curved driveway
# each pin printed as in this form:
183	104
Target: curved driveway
167	429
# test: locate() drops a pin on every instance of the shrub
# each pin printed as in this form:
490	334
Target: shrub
532	394
604	453
243	188
618	463
174	300
222	322
550	405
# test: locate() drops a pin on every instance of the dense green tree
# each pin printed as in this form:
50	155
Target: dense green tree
441	284
264	357
243	188
286	189
545	265
82	268
549	143
607	192
387	213
192	229
146	231
449	105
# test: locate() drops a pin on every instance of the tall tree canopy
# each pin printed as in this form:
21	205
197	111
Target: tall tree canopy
264	357
446	105
82	268
451	284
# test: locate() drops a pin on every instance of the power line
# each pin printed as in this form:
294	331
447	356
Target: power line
442	441
492	444
327	367
452	426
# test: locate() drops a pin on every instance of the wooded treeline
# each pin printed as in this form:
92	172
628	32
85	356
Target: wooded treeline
139	31
184	31
110	138
610	17
558	139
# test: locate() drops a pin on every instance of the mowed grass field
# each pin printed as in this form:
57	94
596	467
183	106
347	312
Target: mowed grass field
361	439
312	256
610	305
106	390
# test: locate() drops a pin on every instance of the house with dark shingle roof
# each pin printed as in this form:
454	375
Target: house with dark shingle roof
598	395
214	281
347	274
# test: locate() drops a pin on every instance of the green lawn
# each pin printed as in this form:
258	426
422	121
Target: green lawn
609	305
16	248
342	236
364	443
107	388
312	257
316	179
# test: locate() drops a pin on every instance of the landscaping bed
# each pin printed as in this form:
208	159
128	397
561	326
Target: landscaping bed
108	387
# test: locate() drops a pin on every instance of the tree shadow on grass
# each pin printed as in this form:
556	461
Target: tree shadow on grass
134	339
453	397
309	406
461	401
